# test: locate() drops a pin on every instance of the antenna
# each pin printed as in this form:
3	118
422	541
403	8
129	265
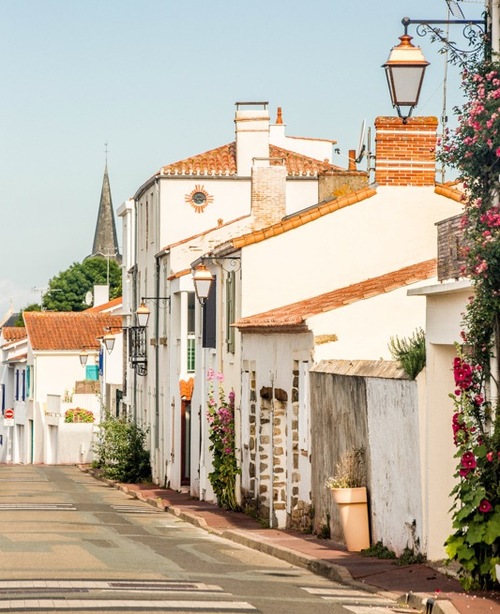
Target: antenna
455	9
360	151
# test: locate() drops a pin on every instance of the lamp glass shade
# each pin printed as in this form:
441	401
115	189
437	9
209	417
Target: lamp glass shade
405	70
202	279
83	358
142	315
109	342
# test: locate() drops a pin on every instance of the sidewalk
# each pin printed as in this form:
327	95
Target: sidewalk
421	586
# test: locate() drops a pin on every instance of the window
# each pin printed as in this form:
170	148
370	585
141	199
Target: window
23	385
230	310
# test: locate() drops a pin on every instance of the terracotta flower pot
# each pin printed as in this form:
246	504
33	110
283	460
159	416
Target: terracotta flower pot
353	506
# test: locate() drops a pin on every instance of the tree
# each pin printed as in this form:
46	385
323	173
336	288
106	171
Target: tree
33	307
68	289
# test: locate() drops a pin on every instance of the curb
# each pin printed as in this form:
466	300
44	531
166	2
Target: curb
337	573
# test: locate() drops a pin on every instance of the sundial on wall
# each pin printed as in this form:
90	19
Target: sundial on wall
199	198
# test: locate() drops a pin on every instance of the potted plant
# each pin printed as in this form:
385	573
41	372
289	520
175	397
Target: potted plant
348	488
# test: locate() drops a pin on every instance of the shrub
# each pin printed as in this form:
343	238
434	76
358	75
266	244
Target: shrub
121	451
409	352
78	415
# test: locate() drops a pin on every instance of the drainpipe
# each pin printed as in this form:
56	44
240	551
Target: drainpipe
495	28
157	353
271	462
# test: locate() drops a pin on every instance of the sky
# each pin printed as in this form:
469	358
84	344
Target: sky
157	80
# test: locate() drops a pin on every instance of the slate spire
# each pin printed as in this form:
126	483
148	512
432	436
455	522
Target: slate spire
105	238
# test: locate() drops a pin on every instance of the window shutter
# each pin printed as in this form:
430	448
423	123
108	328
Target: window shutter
210	318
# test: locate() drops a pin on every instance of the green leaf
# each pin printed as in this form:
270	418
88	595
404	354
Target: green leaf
492	530
475	533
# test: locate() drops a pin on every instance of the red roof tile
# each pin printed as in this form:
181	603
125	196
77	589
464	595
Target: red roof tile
13	333
295	314
48	330
222	162
302	217
106	306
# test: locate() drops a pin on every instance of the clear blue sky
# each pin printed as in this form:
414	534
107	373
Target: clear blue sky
157	80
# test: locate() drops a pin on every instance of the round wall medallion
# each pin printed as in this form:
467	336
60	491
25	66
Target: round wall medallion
199	198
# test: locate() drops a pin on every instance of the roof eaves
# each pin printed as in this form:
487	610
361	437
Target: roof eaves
302	217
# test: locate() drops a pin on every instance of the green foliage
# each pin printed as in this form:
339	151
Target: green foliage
410	557
378	551
220	417
474	149
33	307
121	452
68	289
409	352
78	415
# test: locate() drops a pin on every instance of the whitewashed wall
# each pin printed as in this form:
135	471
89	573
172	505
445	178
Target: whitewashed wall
445	305
344	247
364	328
395	482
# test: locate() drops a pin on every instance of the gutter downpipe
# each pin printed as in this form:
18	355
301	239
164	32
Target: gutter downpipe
495	28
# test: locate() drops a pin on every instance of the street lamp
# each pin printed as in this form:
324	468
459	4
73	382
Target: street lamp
84	356
405	70
202	279
109	342
142	314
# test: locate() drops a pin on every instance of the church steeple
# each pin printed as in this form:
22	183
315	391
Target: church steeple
105	238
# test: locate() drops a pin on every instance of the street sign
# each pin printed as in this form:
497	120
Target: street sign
9	414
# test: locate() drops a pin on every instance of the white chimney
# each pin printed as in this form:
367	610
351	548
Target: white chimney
252	135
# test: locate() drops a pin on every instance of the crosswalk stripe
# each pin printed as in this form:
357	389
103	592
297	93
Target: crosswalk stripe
359	602
61	507
135	509
15	586
363	609
32	605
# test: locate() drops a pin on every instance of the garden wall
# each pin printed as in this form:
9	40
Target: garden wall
368	404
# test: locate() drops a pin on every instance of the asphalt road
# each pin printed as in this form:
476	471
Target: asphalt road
70	543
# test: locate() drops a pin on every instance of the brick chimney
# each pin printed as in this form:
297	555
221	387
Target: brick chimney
252	135
268	194
405	153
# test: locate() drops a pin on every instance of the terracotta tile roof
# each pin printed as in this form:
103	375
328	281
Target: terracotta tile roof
48	330
106	306
222	162
302	217
13	333
295	315
451	189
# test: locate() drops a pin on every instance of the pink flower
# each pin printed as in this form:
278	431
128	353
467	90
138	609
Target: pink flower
485	506
464	472
489	456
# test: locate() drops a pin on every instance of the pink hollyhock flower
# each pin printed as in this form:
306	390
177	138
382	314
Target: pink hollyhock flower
489	456
485	506
469	460
464	472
